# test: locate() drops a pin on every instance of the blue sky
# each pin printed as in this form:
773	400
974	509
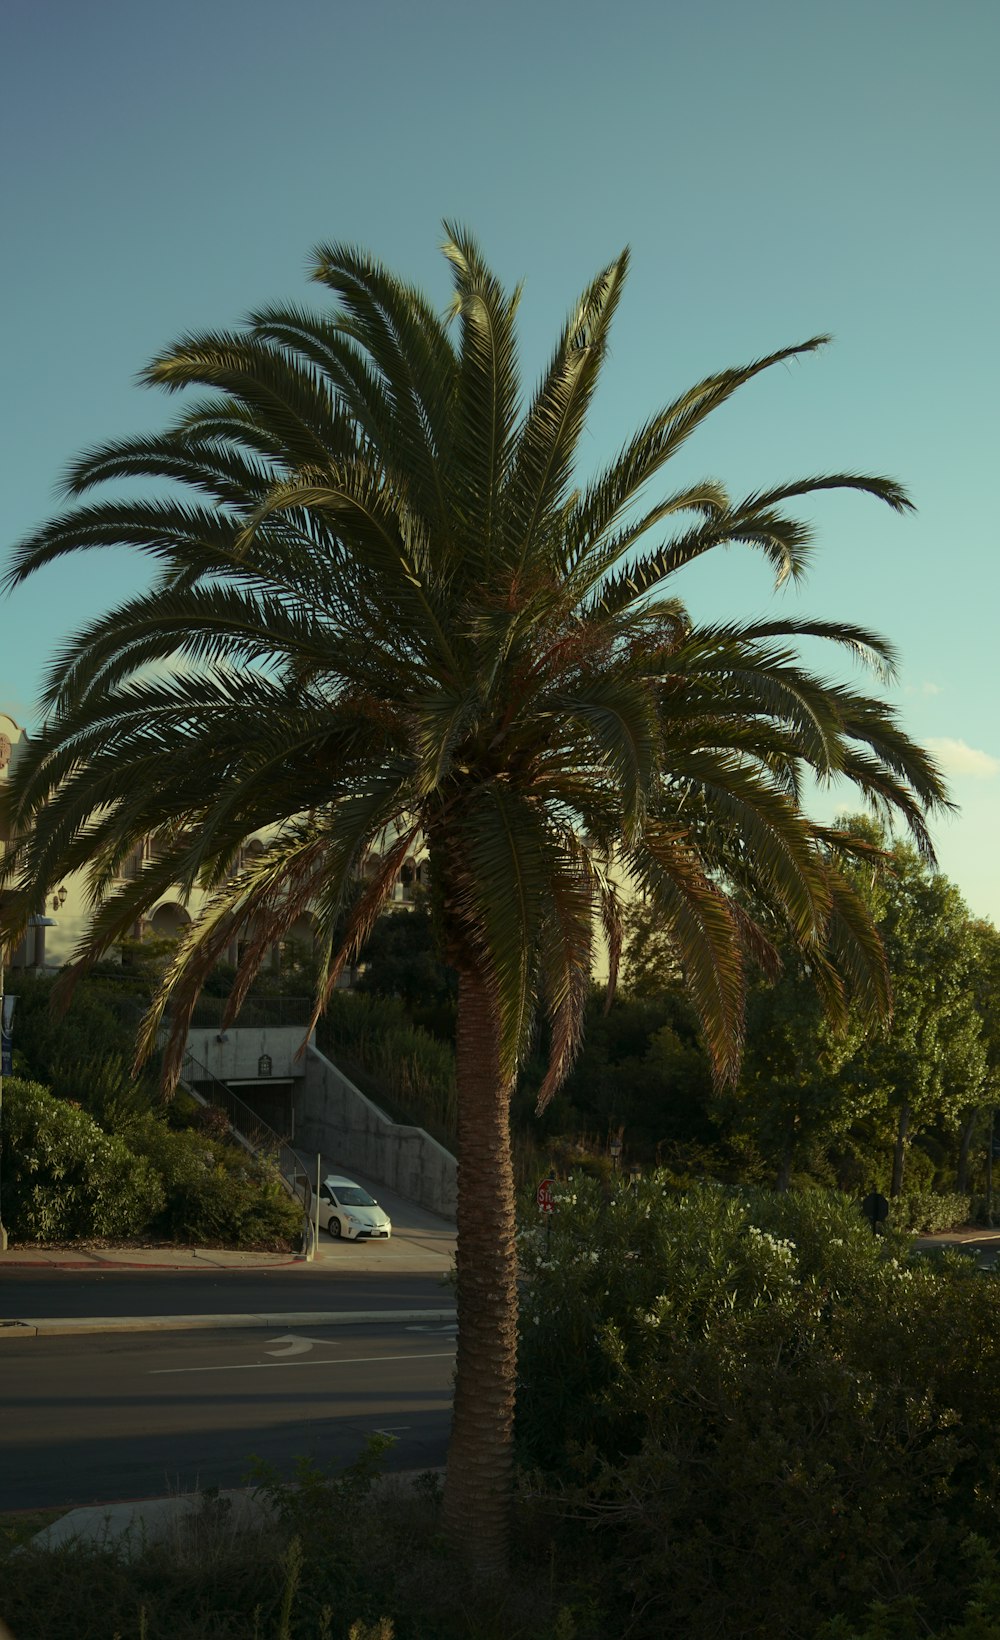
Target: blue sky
779	167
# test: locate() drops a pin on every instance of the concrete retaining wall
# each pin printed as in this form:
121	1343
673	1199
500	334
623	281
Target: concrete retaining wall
237	1058
336	1118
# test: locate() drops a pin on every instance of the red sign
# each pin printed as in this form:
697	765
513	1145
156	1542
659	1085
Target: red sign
543	1195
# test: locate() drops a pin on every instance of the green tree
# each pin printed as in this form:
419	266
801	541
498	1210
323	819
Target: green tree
929	1062
641	1069
985	985
389	609
400	959
792	1099
649	954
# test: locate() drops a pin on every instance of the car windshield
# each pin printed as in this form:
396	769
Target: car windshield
352	1195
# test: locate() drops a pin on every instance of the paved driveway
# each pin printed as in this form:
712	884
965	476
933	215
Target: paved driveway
420	1240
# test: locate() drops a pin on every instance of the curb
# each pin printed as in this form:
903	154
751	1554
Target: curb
96	1263
114	1522
66	1327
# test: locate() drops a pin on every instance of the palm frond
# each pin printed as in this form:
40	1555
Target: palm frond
705	934
386	609
544	450
486	402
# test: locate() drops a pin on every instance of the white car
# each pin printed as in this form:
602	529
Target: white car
345	1209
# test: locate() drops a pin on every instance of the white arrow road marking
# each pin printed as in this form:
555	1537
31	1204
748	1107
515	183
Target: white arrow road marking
327	1361
294	1344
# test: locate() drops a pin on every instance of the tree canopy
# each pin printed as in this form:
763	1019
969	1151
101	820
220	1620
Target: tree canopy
388	605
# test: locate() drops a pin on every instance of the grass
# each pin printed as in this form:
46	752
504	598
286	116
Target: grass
19	1526
348	1556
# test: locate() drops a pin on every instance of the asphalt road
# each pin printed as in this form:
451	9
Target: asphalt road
103	1418
76	1293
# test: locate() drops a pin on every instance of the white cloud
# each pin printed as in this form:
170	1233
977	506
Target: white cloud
926	688
956	757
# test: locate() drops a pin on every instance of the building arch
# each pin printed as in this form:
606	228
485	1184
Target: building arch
168	921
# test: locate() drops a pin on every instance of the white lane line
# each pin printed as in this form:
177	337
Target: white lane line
328	1361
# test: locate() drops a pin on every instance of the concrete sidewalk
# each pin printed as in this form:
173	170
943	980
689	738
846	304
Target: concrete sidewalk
983	1244
83	1257
420	1241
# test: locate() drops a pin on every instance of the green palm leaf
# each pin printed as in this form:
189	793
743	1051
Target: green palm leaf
389	610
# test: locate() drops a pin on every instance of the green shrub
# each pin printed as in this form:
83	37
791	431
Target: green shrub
63	1177
214	1192
84	1053
924	1211
775	1416
330	1560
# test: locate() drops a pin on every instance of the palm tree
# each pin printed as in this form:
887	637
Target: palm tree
385	610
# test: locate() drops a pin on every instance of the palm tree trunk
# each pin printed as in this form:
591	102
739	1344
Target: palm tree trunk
477	1495
899	1149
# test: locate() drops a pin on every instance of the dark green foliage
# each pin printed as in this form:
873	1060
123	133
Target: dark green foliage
400	959
642	1067
63	1177
85	1052
214	1192
398	1063
94	1158
930	1064
904	1620
338	1556
332	1577
924	1211
768	1416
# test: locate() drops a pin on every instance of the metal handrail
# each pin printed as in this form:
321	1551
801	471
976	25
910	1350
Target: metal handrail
252	1131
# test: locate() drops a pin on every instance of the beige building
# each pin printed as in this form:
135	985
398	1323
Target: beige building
53	937
33	951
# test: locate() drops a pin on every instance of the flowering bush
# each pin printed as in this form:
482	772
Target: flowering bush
782	1417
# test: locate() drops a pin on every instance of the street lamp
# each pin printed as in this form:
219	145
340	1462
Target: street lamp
615	1147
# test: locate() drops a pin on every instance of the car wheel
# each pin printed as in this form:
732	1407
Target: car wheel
334	1228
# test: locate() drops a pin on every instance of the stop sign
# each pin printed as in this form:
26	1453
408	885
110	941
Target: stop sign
543	1195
